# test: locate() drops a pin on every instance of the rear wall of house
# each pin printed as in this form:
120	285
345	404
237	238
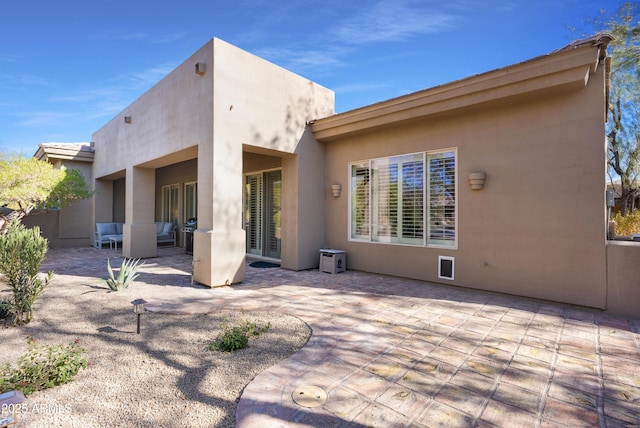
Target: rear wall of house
537	228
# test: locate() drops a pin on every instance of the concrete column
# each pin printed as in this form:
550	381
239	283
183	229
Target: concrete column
139	231
219	242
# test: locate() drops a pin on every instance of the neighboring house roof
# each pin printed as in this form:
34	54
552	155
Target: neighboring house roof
564	67
617	187
82	152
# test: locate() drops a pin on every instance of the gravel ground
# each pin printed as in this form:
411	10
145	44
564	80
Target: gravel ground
164	376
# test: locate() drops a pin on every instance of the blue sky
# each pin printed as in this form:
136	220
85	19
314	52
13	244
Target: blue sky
67	67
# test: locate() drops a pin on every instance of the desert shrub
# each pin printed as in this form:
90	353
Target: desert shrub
43	366
231	339
627	224
127	274
22	251
234	337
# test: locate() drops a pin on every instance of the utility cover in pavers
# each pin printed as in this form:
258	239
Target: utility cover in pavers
309	396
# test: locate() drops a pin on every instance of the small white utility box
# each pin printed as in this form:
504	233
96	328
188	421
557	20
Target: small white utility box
333	261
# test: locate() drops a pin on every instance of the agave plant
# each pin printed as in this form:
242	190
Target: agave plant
127	274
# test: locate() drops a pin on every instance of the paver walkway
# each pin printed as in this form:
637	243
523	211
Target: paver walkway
394	352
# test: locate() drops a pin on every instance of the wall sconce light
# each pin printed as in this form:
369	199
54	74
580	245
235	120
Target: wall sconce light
200	68
127	119
477	179
336	189
139	309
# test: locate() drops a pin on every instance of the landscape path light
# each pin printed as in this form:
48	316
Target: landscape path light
138	309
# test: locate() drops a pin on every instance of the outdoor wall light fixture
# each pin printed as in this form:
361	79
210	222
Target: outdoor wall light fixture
127	119
200	68
336	189
477	179
139	309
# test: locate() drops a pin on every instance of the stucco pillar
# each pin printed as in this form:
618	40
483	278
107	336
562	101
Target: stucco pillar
219	242
304	193
139	231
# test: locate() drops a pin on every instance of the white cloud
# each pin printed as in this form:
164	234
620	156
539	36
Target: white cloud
167	38
42	118
393	21
384	21
7	58
360	87
146	78
299	58
121	35
13	81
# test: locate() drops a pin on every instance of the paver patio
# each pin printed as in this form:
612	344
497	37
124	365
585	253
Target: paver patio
396	352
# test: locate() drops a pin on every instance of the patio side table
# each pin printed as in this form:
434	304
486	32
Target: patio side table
113	242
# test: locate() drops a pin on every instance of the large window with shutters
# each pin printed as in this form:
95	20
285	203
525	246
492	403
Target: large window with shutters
408	199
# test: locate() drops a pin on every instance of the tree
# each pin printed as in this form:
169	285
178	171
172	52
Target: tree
623	126
29	186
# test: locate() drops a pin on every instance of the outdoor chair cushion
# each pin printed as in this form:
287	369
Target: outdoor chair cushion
104	229
167	229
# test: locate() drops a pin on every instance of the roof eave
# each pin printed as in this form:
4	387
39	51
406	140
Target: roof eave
565	68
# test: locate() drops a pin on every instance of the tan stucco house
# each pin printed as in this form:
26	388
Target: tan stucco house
494	182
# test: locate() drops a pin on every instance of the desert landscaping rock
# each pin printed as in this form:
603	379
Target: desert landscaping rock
164	376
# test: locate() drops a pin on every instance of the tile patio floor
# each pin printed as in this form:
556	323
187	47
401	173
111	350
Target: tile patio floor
392	352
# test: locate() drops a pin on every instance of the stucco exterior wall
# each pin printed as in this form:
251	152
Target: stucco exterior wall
70	226
75	224
304	191
538	227
235	102
623	293
173	115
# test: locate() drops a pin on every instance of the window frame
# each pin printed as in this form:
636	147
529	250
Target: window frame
170	210
370	197
441	243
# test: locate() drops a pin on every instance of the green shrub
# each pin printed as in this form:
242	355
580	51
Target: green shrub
628	224
22	251
43	366
231	339
236	337
128	273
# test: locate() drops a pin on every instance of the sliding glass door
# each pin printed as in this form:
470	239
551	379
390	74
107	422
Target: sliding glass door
262	212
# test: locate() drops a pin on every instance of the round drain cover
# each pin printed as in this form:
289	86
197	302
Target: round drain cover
309	396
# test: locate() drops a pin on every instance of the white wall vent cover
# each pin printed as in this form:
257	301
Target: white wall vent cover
446	267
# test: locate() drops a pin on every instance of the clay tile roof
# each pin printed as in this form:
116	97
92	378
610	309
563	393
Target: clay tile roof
70	151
